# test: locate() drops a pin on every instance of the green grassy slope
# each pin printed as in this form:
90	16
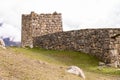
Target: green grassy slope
68	58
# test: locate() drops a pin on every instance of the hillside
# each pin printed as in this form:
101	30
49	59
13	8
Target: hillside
34	64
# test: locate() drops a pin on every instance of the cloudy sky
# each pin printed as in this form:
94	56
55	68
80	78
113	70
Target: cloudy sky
76	14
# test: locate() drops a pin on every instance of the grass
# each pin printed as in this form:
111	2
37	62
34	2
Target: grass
67	58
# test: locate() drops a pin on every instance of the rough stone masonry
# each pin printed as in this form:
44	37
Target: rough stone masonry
45	31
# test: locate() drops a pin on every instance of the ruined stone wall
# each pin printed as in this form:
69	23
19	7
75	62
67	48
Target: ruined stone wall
45	31
98	42
34	25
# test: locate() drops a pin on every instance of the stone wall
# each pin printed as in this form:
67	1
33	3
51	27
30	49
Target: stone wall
34	25
102	43
45	31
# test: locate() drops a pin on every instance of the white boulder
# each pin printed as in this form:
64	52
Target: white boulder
76	70
2	44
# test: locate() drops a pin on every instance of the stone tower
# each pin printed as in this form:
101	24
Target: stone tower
34	25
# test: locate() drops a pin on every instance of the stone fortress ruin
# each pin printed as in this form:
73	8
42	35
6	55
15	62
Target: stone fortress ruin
45	31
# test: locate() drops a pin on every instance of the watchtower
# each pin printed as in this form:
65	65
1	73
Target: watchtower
34	25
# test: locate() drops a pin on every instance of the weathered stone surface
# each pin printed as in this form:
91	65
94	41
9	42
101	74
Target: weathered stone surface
101	64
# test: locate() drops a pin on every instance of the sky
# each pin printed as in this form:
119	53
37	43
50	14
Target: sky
76	14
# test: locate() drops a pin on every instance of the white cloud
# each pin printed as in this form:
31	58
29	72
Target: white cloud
80	13
9	31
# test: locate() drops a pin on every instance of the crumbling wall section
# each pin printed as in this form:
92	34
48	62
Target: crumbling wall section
96	42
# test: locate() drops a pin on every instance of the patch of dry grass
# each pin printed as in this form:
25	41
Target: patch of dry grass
19	67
